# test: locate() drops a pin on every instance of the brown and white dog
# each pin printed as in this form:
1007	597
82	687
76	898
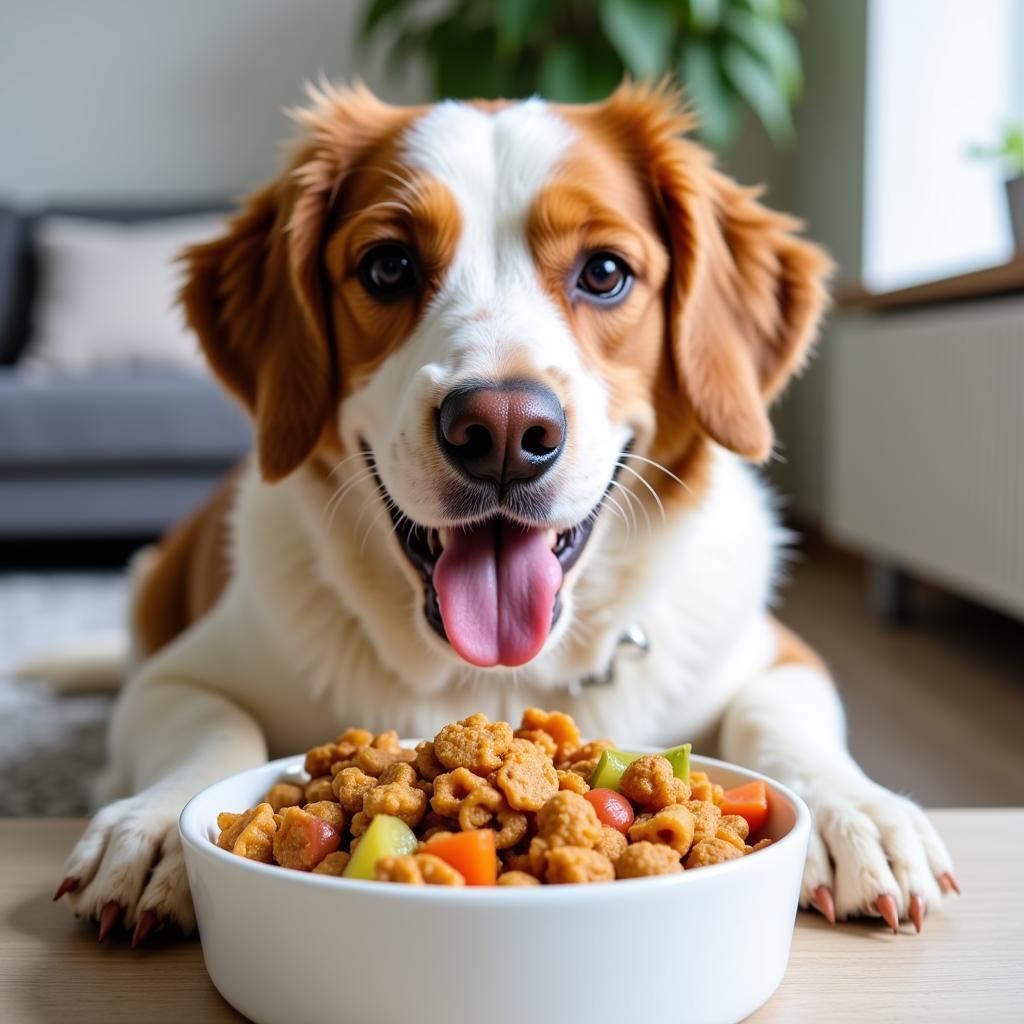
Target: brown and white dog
507	364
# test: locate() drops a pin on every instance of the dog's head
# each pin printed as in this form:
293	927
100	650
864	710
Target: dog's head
508	317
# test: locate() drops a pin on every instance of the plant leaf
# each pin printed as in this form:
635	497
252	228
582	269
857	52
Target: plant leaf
754	81
577	73
704	14
516	20
642	33
715	101
773	43
464	63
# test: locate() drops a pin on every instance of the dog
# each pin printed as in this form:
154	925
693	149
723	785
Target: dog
509	364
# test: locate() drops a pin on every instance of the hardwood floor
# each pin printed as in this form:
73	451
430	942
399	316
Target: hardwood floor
935	707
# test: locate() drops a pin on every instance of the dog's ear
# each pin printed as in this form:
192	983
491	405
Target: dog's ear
745	294
256	299
744	315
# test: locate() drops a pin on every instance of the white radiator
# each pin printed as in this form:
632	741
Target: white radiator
926	444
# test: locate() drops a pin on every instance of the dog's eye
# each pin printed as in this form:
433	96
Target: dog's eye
604	276
388	271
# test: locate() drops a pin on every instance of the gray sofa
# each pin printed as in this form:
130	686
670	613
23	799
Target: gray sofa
113	456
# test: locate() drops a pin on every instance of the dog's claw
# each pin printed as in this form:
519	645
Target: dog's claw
147	922
825	903
109	916
70	884
917	911
886	905
948	883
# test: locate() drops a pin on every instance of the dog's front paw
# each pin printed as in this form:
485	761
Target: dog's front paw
872	852
129	868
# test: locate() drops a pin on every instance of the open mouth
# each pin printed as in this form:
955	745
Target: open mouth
492	587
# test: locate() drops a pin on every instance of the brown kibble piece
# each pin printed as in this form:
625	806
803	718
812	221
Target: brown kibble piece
558	725
418	869
286	794
711	851
568	820
643	859
672	825
350	785
578	864
706	817
330	811
517	878
303	840
527	778
451	788
539	738
591	751
427	763
319	789
396	794
612	843
475	743
374	760
649	781
355	738
319	759
333	864
249	834
574	782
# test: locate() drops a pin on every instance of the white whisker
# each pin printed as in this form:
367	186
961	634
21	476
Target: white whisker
654	493
630	498
656	465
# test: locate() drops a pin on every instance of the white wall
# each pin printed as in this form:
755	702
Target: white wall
164	98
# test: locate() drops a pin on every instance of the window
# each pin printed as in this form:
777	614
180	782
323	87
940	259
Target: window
942	76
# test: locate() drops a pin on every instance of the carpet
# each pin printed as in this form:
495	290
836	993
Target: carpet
52	746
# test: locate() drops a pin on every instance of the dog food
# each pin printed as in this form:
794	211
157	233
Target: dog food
484	804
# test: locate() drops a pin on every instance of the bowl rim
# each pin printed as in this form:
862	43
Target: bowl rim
200	845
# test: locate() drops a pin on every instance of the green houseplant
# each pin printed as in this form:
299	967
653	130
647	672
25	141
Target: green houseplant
1010	152
727	53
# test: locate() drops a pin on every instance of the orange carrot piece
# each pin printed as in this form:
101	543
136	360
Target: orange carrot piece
473	854
749	801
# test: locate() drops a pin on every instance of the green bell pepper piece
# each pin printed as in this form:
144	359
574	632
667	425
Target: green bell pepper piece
608	773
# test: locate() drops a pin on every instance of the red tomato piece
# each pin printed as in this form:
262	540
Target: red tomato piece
749	801
612	808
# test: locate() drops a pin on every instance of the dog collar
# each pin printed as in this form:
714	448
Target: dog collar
632	645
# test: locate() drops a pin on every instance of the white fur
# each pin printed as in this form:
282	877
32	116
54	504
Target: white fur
321	626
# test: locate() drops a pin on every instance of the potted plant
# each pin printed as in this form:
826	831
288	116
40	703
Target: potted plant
1010	150
727	53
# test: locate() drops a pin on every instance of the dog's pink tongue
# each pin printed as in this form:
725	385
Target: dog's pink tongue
496	584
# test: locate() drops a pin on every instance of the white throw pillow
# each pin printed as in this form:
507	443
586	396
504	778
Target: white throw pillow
106	296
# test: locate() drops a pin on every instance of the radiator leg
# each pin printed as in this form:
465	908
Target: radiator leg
889	593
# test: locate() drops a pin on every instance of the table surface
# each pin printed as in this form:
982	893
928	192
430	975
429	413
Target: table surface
967	965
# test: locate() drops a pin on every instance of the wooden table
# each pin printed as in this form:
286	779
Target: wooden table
968	965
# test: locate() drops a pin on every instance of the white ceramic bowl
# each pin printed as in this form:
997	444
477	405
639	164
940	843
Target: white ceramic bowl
287	947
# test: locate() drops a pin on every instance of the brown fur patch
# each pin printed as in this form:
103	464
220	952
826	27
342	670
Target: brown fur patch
190	569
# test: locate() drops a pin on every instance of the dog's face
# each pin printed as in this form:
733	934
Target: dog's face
507	318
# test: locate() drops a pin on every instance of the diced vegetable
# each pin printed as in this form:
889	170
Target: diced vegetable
385	837
679	758
749	801
608	773
473	854
612	808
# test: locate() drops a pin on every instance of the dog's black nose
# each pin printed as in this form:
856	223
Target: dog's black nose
512	430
